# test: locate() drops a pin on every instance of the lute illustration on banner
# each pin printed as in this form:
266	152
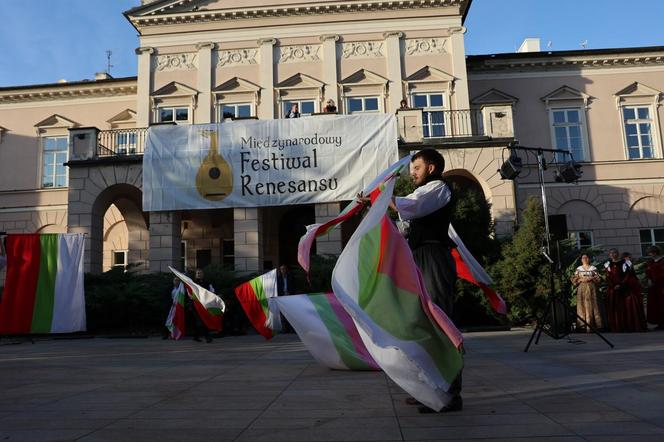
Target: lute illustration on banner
214	180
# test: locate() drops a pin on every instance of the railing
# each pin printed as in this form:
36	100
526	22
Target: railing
452	123
119	142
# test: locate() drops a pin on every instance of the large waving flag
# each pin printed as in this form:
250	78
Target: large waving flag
175	321
470	270
327	331
316	230
44	290
379	285
210	307
257	299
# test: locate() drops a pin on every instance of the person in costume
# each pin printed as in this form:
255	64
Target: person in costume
655	275
585	278
624	302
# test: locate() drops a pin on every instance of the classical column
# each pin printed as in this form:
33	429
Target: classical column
265	50
165	239
144	83
459	68
204	108
329	244
330	76
248	237
393	59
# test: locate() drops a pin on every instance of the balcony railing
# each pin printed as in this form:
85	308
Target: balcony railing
118	142
452	123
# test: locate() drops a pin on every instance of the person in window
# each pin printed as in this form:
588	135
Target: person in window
655	275
585	279
294	111
330	107
192	315
624	303
403	105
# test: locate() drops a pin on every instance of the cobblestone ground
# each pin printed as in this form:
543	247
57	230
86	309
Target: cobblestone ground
247	389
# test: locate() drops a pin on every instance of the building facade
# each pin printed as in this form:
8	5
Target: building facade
71	153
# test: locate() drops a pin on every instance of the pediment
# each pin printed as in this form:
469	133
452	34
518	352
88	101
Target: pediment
175	89
494	96
236	85
56	120
159	7
429	75
637	89
126	116
565	93
300	81
364	76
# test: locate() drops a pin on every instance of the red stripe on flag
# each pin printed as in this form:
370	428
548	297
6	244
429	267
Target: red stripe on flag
253	308
18	300
463	272
212	322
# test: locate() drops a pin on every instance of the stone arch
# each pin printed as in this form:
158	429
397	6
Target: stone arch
52	228
647	211
580	215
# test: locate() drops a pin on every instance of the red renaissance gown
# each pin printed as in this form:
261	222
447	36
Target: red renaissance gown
624	302
655	273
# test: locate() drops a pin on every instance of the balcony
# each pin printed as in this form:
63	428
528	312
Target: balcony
416	127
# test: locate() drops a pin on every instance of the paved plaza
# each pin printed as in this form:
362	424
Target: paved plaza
247	389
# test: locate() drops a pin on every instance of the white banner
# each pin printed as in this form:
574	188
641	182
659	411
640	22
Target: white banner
255	163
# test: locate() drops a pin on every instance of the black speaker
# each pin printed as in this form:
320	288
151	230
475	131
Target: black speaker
558	227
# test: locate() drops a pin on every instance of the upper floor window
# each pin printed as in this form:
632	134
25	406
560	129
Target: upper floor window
638	132
567	125
304	108
582	239
178	115
235	110
433	117
356	105
54	155
651	237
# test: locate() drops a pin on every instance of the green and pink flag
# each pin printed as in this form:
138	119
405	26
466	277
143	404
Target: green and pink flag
257	299
327	330
175	322
210	307
378	283
44	290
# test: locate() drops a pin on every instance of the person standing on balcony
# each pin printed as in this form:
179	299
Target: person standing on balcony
330	107
294	111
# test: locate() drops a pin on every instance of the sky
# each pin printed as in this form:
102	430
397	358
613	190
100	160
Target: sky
43	41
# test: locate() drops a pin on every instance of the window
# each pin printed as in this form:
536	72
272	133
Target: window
228	253
55	152
232	110
651	237
433	117
120	258
568	132
356	105
173	114
638	132
306	107
203	258
126	143
582	239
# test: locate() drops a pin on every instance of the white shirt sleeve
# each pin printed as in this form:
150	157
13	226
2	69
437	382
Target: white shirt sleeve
424	200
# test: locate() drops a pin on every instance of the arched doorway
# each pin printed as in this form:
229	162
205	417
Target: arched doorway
291	228
119	233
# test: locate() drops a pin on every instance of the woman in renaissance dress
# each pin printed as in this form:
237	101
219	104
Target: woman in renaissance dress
586	278
655	275
624	302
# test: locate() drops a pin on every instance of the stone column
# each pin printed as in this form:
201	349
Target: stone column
266	55
329	244
165	239
330	76
203	116
393	59
459	68
248	237
143	87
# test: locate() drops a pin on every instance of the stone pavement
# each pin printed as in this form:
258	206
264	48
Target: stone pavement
247	389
